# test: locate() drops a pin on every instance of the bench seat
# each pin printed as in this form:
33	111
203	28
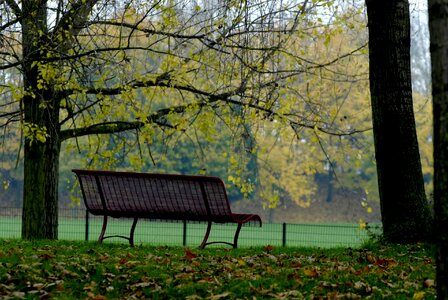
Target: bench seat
160	197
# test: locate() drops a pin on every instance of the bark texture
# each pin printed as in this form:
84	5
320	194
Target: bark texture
438	26
41	111
405	212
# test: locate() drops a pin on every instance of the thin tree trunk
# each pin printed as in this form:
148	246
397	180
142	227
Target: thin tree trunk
438	26
330	182
405	212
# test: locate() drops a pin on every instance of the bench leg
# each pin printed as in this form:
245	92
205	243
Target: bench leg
131	235
207	233
103	230
235	238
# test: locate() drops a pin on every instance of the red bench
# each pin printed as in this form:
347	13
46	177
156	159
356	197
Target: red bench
159	197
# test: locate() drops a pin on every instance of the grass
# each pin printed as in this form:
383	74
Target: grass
163	233
86	270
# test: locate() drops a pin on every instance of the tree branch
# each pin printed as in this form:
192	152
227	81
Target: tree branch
15	7
119	126
76	18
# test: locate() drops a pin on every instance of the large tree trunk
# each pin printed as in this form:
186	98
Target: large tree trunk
405	212
438	26
40	198
41	127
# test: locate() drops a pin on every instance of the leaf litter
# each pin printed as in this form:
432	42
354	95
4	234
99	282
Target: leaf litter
76	270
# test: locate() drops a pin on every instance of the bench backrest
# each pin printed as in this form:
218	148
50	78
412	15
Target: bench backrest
166	196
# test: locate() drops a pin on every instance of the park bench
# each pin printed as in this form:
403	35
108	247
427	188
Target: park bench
159	197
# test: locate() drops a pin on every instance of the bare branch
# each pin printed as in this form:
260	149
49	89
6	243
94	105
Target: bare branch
15	7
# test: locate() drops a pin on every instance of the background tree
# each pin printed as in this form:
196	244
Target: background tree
405	212
438	27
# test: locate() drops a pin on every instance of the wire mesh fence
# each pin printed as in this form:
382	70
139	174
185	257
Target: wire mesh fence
77	224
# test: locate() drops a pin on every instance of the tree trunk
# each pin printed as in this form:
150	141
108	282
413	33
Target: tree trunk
405	212
40	198
438	26
41	127
330	182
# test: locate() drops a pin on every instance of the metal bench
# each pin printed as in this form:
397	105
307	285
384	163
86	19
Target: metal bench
159	197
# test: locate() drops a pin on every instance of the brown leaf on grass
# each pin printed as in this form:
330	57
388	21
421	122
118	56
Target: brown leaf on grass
311	272
46	256
359	285
385	263
260	291
296	265
429	283
287	295
268	248
371	259
272	257
185	269
189	255
219	296
90	286
38	286
18	295
364	270
139	294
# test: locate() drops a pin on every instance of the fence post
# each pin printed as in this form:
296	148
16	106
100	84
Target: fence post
284	235
87	225
184	240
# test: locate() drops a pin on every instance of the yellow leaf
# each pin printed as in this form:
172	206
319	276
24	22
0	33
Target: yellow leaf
362	224
310	272
419	295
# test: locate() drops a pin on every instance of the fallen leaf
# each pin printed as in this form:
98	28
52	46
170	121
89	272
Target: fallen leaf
20	295
429	283
139	294
359	285
418	295
189	255
272	257
370	259
219	296
46	256
385	263
296	265
310	272
90	287
268	248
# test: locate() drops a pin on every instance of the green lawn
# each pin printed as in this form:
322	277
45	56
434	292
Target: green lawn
166	233
88	270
